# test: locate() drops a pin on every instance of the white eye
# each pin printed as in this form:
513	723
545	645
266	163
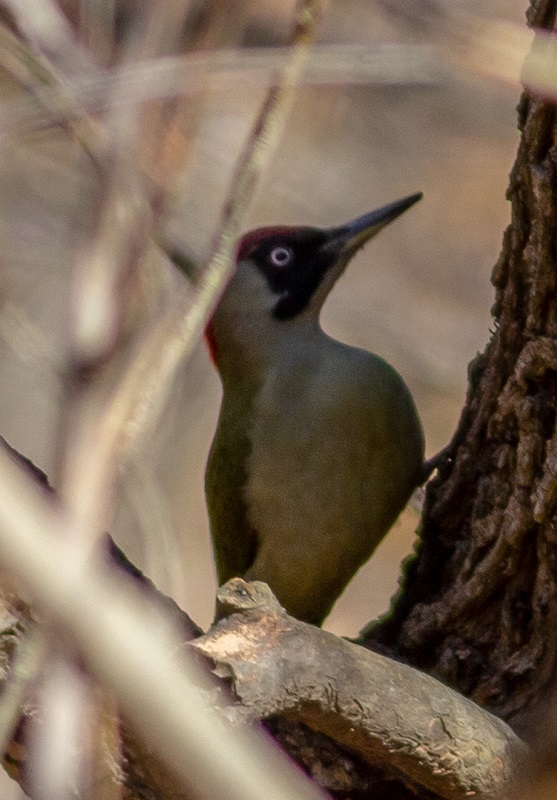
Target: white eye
281	256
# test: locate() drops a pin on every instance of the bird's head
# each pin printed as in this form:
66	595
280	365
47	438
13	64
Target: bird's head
284	274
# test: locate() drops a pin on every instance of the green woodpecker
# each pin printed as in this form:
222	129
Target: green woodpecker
319	445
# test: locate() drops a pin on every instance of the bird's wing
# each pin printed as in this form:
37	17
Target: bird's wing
234	541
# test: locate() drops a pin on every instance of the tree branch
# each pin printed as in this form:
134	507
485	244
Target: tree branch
391	715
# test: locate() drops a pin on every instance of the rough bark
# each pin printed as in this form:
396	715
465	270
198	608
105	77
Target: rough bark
390	715
356	720
478	607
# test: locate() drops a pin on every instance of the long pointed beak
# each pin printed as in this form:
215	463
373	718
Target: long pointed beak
350	237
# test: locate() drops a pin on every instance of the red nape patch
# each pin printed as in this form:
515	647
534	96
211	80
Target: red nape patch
211	342
251	239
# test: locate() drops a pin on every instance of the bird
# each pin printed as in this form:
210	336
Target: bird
318	445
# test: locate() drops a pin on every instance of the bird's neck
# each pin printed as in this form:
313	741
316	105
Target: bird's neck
245	353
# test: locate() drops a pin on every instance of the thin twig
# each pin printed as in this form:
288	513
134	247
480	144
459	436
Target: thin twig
49	33
141	393
106	265
87	472
472	45
100	303
185	75
140	396
56	101
175	122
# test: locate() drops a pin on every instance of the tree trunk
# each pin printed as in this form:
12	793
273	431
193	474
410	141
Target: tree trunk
478	606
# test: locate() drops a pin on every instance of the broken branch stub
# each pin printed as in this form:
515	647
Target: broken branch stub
389	714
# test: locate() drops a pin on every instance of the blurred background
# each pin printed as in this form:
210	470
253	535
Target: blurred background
419	294
407	114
